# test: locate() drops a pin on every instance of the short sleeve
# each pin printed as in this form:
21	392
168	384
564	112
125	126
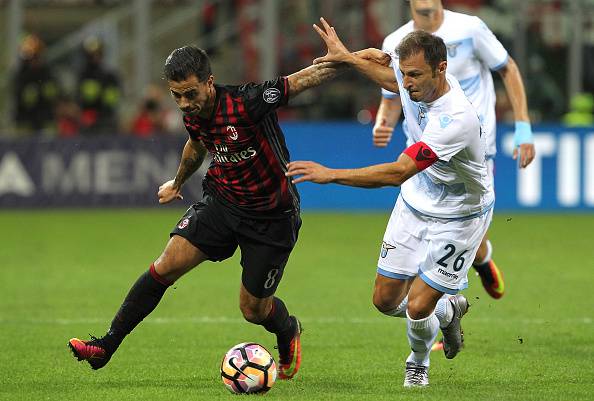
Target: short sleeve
446	135
261	99
389	47
193	128
487	47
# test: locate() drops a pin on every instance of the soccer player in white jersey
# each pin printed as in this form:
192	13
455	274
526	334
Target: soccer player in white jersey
473	52
446	198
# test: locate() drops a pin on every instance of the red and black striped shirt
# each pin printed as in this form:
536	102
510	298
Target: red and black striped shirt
247	145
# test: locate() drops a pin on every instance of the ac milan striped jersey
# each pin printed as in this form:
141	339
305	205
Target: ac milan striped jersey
247	145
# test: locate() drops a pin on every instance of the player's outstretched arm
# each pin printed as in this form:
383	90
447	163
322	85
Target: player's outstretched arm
373	63
376	176
514	86
192	157
313	75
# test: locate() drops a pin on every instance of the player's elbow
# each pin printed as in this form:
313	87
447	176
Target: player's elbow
509	69
397	176
398	180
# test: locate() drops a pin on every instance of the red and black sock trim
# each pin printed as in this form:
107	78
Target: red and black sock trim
158	277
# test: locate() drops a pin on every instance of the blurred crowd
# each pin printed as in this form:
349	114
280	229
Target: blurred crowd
42	105
95	100
363	23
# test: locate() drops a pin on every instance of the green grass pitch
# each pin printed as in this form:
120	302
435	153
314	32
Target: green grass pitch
63	274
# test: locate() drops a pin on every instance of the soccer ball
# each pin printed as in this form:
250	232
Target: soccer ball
248	368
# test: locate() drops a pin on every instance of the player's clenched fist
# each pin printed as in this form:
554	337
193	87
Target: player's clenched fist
168	192
382	134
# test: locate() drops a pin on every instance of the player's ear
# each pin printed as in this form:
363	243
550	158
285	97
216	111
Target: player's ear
210	80
442	66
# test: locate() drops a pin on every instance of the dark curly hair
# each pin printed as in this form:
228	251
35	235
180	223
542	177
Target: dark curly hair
185	62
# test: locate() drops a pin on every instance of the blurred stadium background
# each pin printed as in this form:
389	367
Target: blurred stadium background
97	125
96	132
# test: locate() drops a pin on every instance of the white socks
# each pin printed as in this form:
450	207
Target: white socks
444	311
421	335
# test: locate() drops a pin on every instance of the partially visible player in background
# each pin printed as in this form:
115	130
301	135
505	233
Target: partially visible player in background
473	52
248	202
445	202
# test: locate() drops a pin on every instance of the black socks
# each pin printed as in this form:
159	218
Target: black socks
278	321
142	299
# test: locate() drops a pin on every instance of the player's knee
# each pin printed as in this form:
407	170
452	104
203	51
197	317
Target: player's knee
418	309
169	268
164	265
252	313
383	303
178	258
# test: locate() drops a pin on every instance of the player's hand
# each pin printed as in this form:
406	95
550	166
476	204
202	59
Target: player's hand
375	55
523	143
337	51
526	153
382	134
309	171
167	192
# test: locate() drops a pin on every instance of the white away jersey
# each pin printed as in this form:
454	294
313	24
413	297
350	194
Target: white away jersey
473	52
457	185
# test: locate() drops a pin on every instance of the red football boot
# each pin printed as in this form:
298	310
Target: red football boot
492	279
92	351
290	356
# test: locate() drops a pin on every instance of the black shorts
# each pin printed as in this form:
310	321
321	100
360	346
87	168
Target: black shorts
265	244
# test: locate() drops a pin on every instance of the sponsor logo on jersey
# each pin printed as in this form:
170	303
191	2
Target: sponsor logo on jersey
222	154
183	224
385	248
448	274
271	95
232	131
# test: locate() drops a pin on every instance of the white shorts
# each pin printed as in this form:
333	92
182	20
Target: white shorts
440	251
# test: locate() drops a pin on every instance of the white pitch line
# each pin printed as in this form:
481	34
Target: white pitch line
321	320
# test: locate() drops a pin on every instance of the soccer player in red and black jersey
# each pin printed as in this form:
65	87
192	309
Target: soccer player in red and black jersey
248	201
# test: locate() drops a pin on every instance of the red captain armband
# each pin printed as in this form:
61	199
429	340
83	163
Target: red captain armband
421	154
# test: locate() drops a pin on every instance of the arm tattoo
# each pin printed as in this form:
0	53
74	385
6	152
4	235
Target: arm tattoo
313	75
191	160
